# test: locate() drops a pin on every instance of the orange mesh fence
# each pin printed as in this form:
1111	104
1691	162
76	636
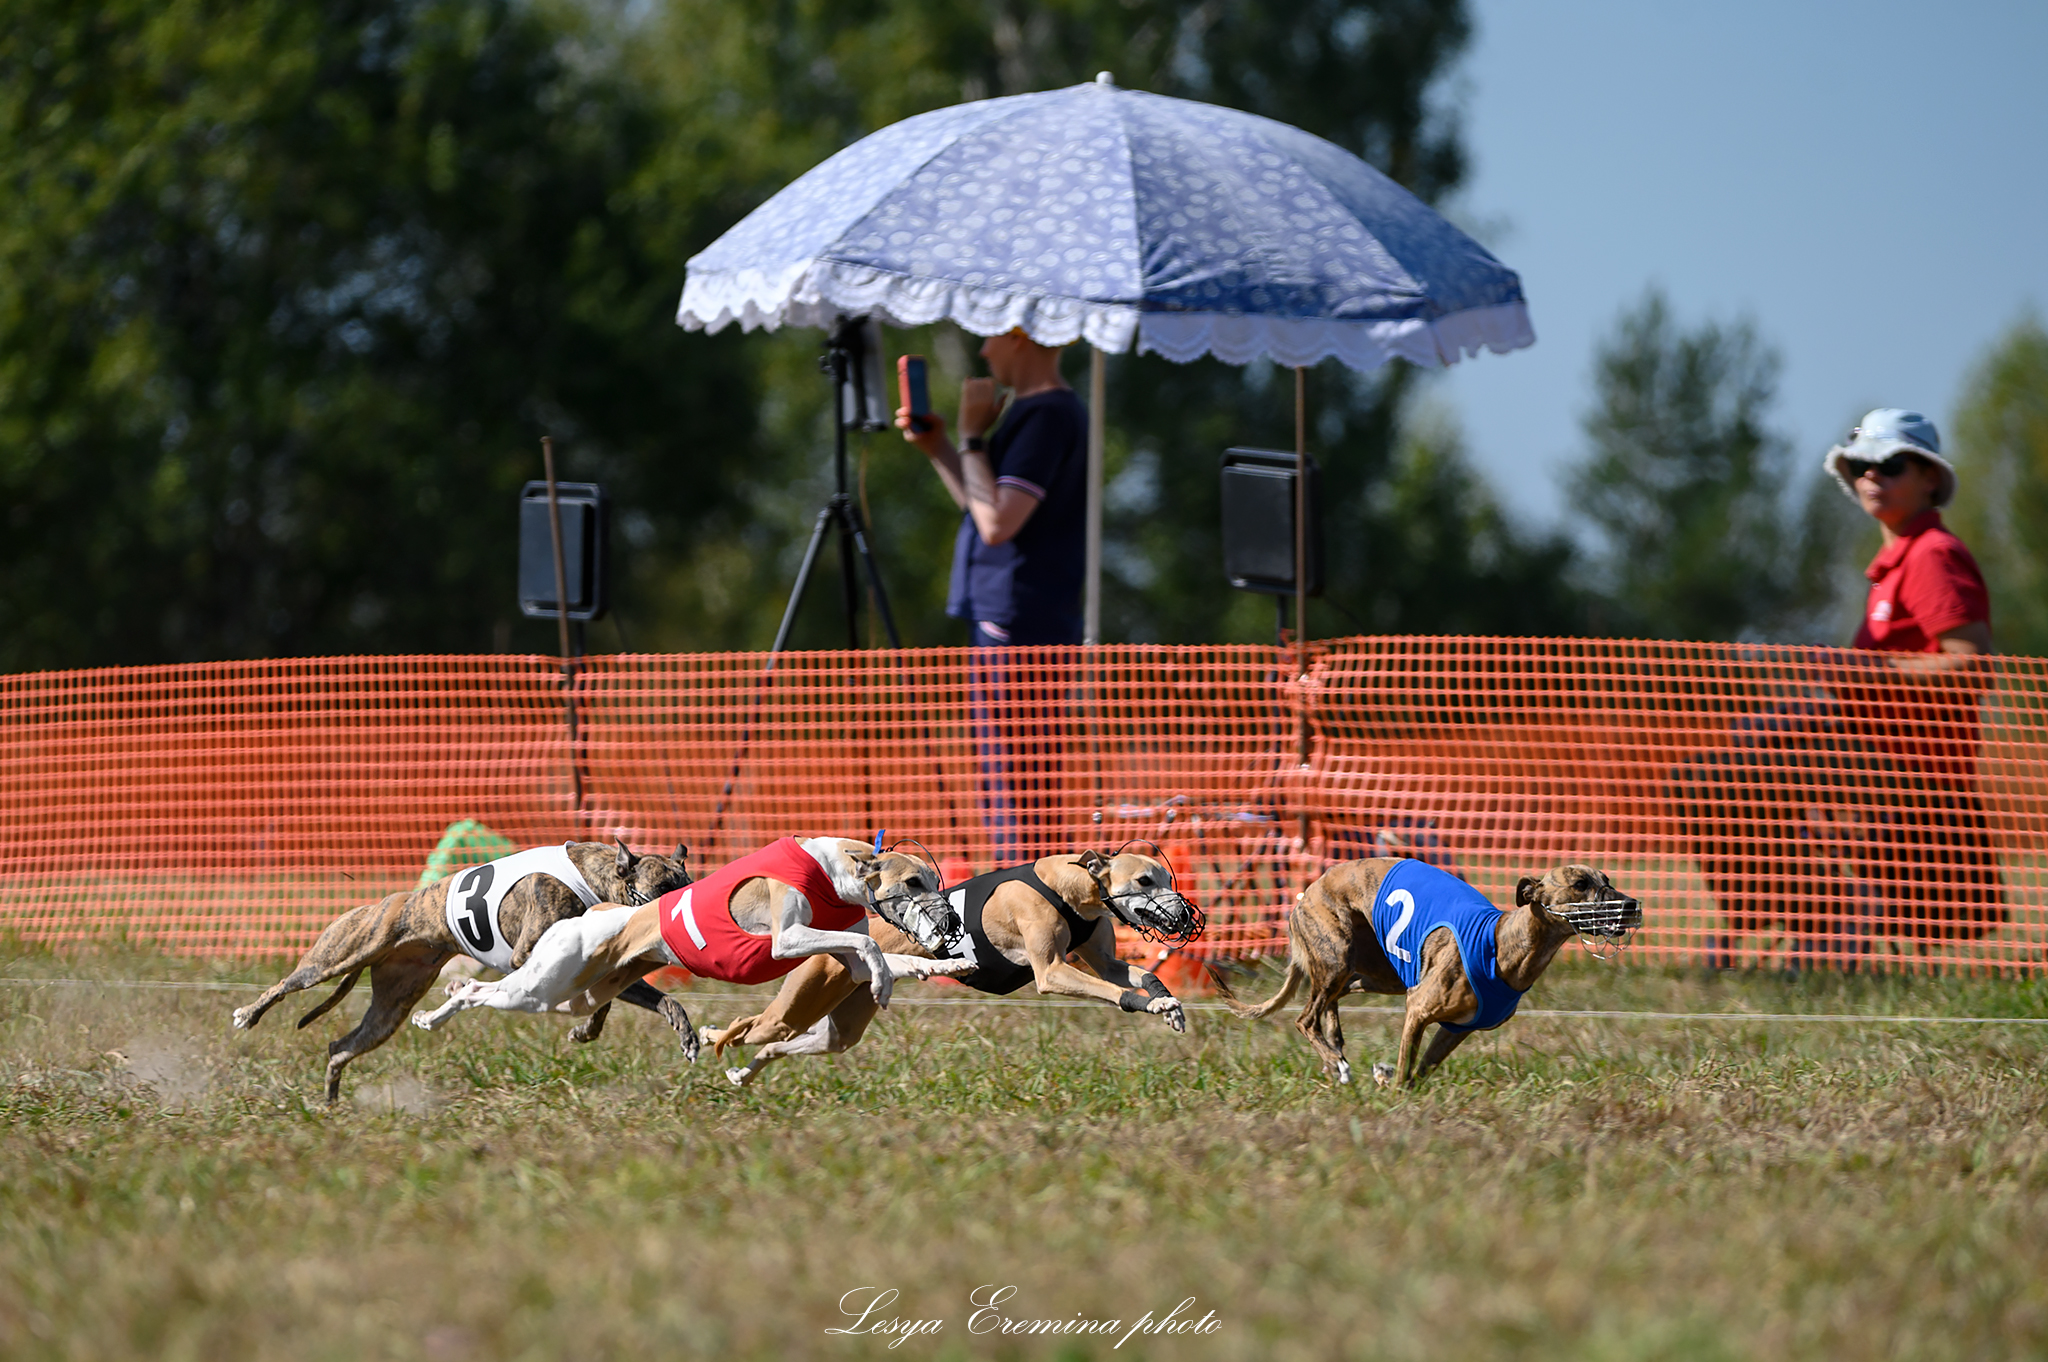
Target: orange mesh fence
1766	805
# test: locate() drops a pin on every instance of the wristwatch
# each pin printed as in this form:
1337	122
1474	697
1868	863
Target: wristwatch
975	444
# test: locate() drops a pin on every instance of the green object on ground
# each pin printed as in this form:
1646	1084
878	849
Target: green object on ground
466	842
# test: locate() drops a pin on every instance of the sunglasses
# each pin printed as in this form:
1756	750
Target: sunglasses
1889	468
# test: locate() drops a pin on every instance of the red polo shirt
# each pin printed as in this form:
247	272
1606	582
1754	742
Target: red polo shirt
1924	584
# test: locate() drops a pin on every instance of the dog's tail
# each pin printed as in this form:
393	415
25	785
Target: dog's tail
1296	972
332	998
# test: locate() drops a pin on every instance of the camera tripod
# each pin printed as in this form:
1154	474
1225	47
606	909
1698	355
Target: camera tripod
852	360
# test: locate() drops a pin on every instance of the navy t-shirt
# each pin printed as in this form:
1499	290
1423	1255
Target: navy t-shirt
1031	584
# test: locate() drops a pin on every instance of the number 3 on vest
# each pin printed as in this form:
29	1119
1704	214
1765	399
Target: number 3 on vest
1406	901
478	929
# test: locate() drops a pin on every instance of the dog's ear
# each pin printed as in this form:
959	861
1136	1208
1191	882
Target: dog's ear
626	857
866	863
1093	861
1525	890
682	852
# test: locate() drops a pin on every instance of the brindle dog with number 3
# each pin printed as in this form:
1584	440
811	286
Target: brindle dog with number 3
493	913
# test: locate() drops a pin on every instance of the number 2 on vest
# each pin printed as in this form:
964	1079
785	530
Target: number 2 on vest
476	884
1406	901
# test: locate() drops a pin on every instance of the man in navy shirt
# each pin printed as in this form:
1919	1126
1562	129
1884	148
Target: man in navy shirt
1017	569
1017	561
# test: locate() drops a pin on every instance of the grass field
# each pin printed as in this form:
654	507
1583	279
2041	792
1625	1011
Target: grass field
1566	1188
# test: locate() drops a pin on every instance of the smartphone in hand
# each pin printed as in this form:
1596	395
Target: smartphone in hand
915	391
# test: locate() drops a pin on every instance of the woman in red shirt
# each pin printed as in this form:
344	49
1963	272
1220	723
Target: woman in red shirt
1844	820
1929	851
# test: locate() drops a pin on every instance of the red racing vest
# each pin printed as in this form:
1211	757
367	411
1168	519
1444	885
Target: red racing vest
697	925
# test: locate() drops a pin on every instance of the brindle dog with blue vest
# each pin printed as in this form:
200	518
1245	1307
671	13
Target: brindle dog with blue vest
1402	926
493	913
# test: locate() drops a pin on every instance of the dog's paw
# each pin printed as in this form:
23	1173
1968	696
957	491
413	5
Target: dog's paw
739	1078
1383	1074
671	1011
583	1033
1170	1008
244	1018
691	1043
949	968
425	1021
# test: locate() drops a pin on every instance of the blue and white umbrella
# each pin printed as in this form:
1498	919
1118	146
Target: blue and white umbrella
1121	218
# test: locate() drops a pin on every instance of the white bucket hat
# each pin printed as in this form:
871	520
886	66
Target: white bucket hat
1885	432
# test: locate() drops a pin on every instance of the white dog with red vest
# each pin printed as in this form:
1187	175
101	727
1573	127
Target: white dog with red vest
750	923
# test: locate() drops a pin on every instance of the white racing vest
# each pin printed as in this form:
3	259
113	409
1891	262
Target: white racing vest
475	892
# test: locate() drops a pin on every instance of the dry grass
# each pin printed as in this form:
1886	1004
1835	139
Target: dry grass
1567	1188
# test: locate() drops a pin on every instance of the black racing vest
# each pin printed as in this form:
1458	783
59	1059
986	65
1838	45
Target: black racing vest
997	973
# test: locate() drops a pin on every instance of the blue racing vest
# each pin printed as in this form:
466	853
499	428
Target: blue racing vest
1414	900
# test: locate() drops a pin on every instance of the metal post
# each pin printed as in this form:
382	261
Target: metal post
547	454
1091	600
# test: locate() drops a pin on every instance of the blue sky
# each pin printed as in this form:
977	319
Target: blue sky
1868	183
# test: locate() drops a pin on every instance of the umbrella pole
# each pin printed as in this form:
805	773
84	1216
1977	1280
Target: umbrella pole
1301	523
1301	592
1091	599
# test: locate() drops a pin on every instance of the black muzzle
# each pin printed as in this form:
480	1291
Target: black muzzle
1162	915
927	919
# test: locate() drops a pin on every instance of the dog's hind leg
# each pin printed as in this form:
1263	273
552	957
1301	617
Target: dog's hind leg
1322	1024
823	1039
718	1037
350	942
396	984
347	986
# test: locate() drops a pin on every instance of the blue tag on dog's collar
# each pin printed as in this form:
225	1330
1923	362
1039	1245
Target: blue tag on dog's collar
879	834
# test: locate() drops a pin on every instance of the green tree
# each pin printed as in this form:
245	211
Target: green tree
289	289
1690	492
2001	505
287	293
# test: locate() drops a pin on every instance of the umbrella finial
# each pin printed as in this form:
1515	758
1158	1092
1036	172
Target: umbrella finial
1105	78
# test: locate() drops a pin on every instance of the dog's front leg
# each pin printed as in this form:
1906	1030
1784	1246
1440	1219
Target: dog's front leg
909	966
1413	1023
1441	994
795	937
1158	1001
1440	1046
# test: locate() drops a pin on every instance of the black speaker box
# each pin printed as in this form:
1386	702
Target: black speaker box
586	550
1258	522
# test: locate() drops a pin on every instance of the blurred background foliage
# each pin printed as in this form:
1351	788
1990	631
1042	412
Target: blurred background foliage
2000	448
290	290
